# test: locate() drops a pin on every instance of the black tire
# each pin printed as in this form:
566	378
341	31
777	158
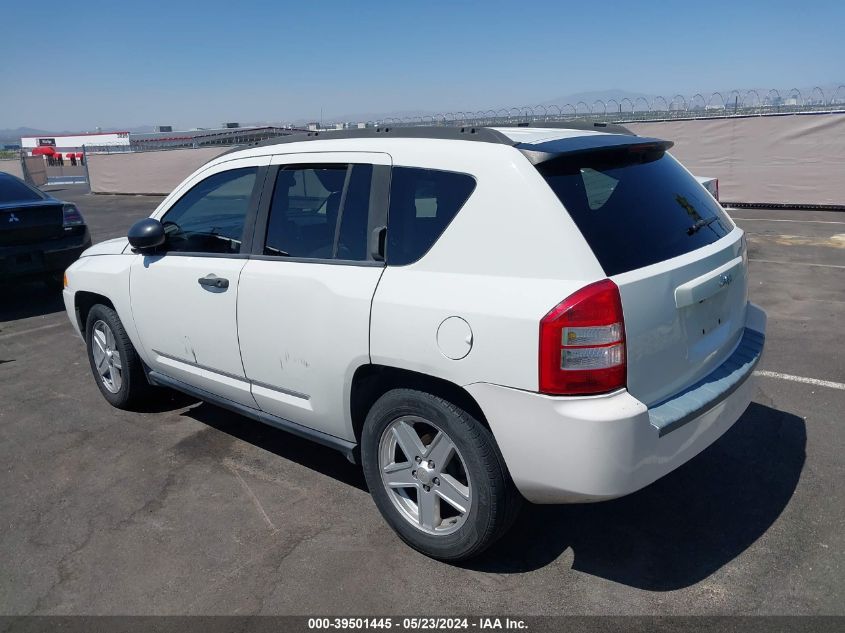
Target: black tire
134	387
495	500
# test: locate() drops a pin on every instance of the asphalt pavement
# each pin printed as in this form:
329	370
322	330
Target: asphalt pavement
190	509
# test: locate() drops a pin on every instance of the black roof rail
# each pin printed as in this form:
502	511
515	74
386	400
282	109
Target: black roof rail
458	133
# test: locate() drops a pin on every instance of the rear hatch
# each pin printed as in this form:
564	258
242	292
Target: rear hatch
27	223
678	260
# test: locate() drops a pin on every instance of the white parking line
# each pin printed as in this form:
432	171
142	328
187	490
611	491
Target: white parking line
809	381
772	261
795	221
29	331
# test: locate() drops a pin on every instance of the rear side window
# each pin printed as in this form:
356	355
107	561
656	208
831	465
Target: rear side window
320	212
422	203
635	209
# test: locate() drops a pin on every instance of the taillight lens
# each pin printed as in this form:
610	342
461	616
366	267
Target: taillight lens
582	343
71	216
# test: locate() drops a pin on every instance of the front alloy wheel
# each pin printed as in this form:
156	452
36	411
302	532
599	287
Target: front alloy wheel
106	356
114	361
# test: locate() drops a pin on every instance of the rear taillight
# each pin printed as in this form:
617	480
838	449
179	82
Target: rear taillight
71	216
582	343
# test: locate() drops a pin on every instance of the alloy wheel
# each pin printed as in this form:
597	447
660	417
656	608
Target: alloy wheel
107	358
425	475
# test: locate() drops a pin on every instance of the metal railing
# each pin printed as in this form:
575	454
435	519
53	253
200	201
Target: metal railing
698	106
182	140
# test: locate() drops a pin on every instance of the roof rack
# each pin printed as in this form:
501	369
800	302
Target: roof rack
462	133
483	134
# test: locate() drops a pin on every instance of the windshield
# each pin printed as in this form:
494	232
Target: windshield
13	190
635	208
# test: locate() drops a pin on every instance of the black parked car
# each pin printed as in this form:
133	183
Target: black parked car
39	235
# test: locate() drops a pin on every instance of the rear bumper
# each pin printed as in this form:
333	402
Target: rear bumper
42	258
592	448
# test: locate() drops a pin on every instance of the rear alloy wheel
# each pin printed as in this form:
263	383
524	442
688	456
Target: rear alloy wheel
114	361
436	475
425	475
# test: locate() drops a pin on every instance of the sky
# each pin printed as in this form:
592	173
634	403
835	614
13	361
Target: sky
82	64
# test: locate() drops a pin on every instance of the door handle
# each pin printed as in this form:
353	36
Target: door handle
213	281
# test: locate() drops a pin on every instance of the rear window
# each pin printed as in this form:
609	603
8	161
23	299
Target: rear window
635	209
13	190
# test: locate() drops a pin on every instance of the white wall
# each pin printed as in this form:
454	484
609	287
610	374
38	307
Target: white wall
791	159
146	172
11	166
76	141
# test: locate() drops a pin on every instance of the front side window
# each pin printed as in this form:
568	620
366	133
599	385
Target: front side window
422	203
210	217
320	212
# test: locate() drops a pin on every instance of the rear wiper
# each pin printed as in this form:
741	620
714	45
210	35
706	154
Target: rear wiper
700	224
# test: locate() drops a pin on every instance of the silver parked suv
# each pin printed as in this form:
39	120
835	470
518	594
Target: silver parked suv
477	315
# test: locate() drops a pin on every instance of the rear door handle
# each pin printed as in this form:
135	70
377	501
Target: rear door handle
213	281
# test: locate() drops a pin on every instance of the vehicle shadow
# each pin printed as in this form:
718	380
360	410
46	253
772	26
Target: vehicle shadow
22	300
682	528
306	453
668	536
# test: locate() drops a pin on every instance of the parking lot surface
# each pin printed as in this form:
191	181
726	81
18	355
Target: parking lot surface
190	509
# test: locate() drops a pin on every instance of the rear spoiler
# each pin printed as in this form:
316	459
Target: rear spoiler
538	153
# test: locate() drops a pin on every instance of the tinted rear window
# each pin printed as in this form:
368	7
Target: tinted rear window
13	190
422	203
635	209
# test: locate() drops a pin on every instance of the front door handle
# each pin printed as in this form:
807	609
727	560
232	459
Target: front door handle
213	281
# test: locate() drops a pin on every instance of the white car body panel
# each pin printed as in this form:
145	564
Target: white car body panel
106	275
304	327
287	337
667	346
114	246
199	346
598	447
497	276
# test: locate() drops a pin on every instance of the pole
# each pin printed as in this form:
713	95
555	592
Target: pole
85	163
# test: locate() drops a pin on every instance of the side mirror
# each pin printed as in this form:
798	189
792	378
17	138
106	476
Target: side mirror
146	234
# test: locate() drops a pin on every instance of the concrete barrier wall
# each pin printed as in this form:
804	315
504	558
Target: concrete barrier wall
794	159
146	172
11	166
37	169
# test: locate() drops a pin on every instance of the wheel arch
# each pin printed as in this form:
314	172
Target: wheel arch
83	301
372	381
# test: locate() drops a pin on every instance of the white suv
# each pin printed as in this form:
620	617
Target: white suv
477	315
